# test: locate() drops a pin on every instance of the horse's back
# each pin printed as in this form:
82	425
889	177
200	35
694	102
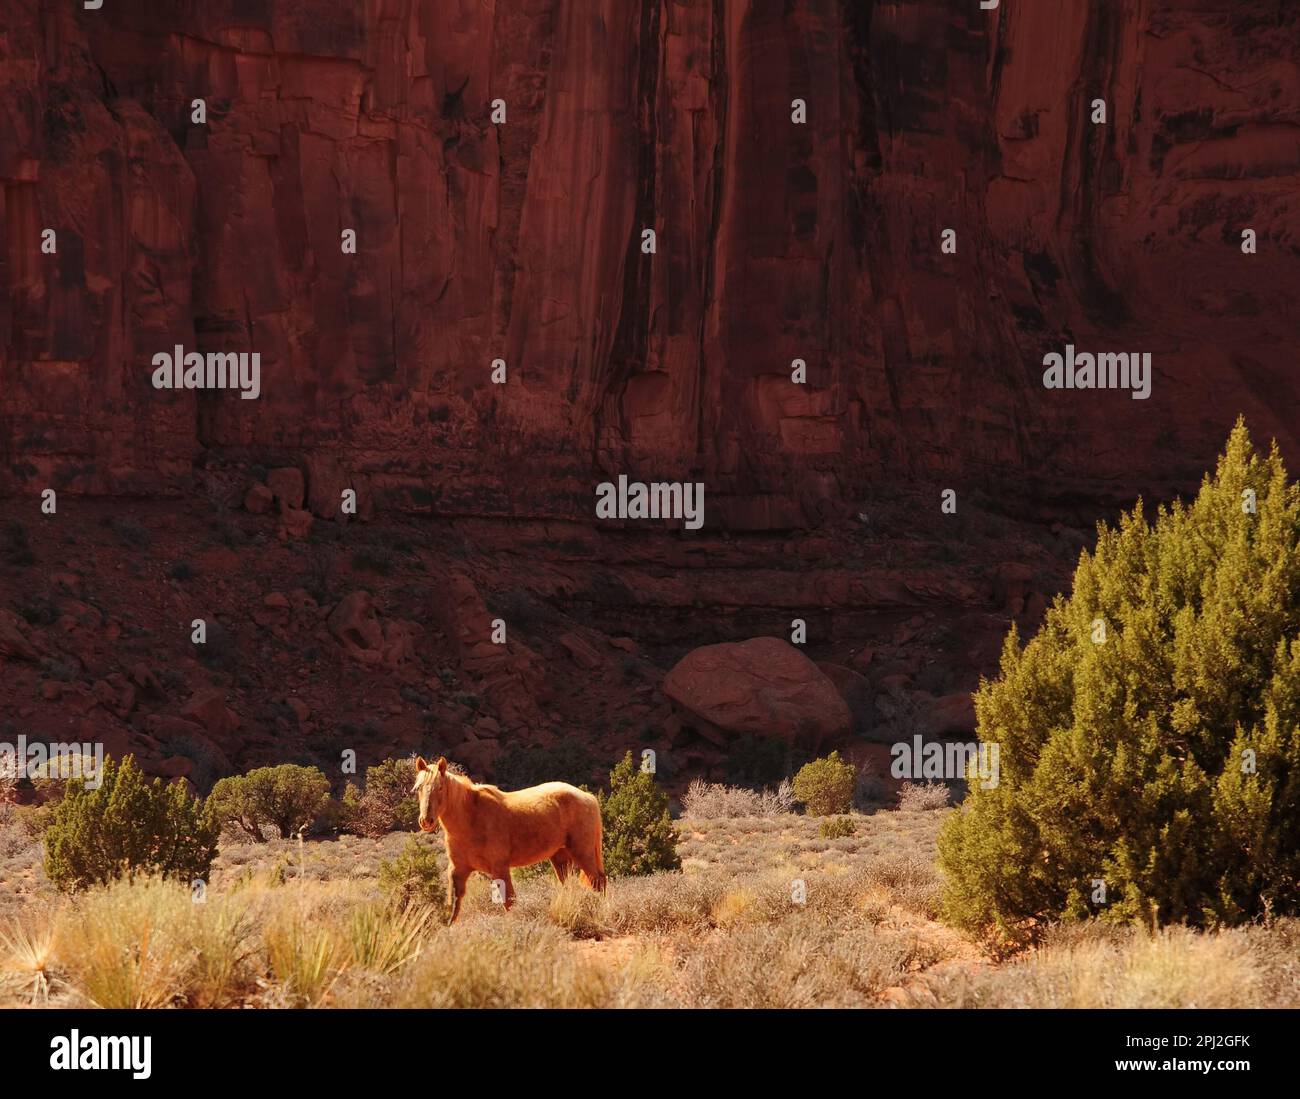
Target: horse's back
557	797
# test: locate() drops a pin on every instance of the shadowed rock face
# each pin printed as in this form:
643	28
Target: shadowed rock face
522	242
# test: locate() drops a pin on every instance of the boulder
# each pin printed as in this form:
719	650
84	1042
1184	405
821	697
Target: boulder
258	499
13	638
286	485
115	694
207	707
357	627
855	690
583	654
294	524
951	715
326	480
764	686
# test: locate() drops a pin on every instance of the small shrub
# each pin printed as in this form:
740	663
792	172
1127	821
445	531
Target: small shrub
182	571
836	828
130	533
501	964
825	786
287	797
716	801
8	777
126	827
639	836
916	795
377	559
386	804
17	550
383	939
37	609
306	958
468	699
417	877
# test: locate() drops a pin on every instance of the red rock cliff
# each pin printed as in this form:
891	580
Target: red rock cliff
522	242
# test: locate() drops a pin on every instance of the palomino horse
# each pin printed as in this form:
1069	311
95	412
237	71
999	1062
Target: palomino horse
491	830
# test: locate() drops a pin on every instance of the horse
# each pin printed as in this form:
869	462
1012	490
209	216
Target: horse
491	830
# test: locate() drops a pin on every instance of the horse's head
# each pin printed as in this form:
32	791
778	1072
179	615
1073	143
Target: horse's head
430	787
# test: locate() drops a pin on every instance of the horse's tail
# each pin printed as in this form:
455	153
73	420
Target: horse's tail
599	883
597	879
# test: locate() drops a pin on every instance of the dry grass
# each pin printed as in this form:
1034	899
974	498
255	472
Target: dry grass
928	795
766	912
1094	966
711	801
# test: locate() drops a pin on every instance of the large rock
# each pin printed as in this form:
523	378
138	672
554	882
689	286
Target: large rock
286	484
13	638
356	625
207	706
763	686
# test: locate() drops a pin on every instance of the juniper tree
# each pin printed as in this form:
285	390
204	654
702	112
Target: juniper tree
287	797
639	837
127	826
1157	755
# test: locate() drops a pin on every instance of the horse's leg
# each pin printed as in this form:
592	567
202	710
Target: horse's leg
592	867
457	878
562	861
508	880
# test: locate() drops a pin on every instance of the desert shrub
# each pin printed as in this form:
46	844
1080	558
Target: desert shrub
147	944
383	939
305	958
128	826
521	765
386	804
131	533
923	795
50	778
287	797
639	836
762	761
825	786
716	801
181	570
836	828
798	962
16	548
1150	732
8	777
417	877
378	559
1171	968
501	963
37	609
220	652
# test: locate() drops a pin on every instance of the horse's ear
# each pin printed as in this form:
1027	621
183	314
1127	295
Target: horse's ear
442	765
420	765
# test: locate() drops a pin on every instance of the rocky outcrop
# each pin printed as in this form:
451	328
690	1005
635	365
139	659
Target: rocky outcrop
765	687
522	242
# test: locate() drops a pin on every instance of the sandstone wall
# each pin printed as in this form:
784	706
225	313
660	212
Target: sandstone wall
522	241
